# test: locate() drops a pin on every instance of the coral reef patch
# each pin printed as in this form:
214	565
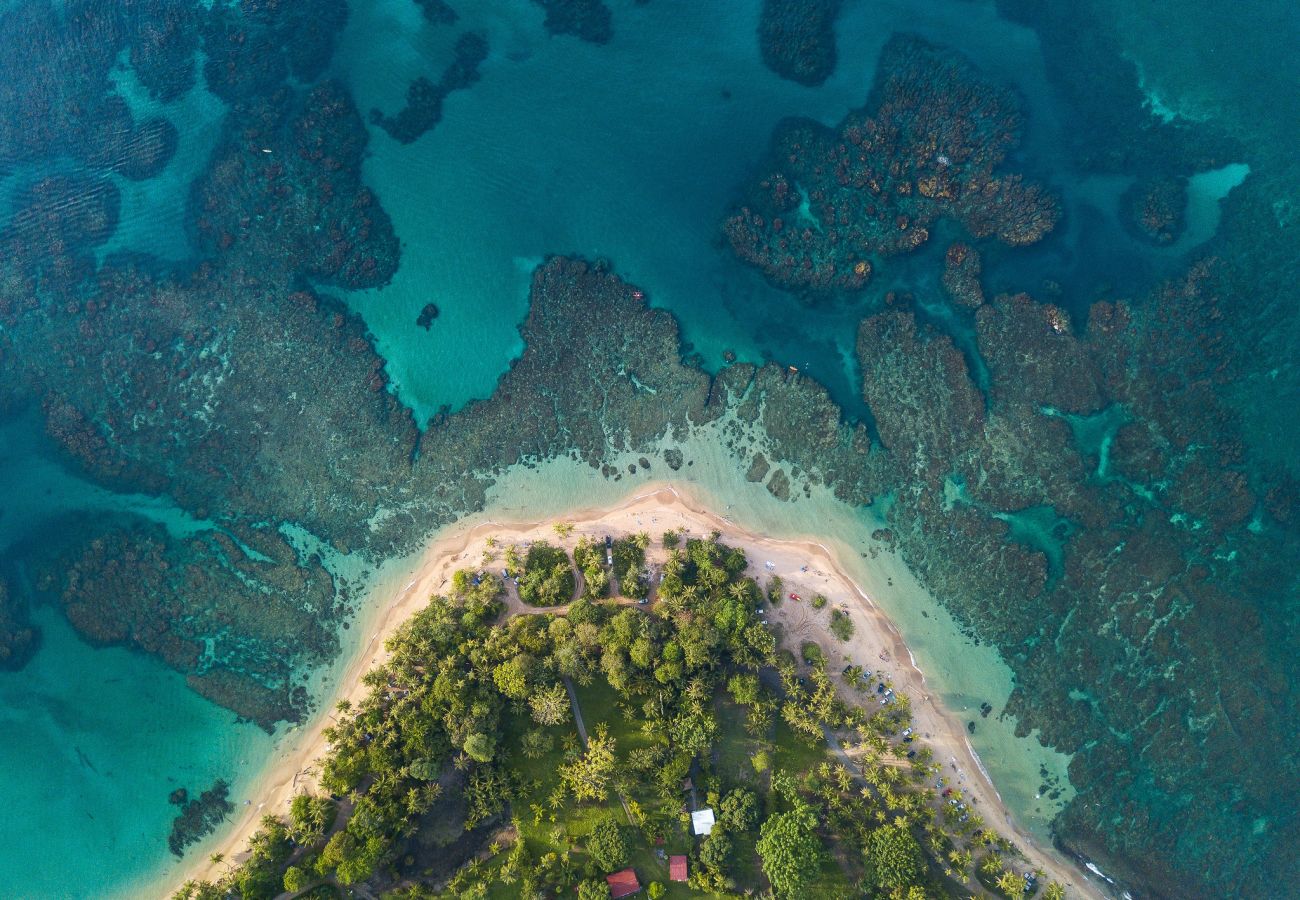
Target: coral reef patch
198	817
19	639
588	20
424	98
928	145
797	39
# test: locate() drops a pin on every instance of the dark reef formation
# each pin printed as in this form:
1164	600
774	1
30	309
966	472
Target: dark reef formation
199	816
1154	208
438	12
428	314
1154	556
57	95
424	99
128	582
18	638
284	186
961	275
252	48
797	39
588	20
180	381
926	146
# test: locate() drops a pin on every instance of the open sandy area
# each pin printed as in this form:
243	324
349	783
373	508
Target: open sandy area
806	567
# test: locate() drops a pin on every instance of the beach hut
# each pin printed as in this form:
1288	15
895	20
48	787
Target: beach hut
623	884
677	868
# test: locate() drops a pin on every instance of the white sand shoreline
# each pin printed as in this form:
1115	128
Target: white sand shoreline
655	508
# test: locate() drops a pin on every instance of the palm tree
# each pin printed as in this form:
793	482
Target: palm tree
1012	884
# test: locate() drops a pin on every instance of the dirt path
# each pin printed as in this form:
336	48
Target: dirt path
577	711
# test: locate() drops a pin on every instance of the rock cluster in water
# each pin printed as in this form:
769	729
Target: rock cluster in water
928	145
424	98
198	816
589	20
797	39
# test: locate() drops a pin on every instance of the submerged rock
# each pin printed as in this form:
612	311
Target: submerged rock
797	39
199	817
424	98
18	638
1155	208
428	313
588	20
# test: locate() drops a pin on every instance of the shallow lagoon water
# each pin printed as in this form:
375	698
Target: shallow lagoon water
89	735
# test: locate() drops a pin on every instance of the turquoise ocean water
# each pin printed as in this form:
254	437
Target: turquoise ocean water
631	151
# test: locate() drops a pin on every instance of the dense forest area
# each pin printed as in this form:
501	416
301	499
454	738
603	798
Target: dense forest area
668	746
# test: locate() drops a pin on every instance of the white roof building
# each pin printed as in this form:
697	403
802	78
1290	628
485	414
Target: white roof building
702	821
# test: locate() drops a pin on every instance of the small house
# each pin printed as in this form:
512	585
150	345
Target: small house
702	821
623	884
677	868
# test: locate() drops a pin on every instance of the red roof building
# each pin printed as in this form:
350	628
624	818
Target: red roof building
677	868
623	884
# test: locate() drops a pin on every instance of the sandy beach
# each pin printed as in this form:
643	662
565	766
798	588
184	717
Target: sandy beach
806	567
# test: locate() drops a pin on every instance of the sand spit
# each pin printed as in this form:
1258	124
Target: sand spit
805	565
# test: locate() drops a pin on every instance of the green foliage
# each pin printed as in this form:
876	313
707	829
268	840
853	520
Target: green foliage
655	890
487	795
716	850
629	565
550	705
310	817
818	601
841	624
295	879
790	850
607	845
512	676
812	654
350	858
893	858
589	557
537	742
588	776
547	578
593	889
672	539
480	747
739	810
259	876
775	590
488	699
425	769
744	688
1012	884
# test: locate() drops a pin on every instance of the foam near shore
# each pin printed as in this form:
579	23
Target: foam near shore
525	506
